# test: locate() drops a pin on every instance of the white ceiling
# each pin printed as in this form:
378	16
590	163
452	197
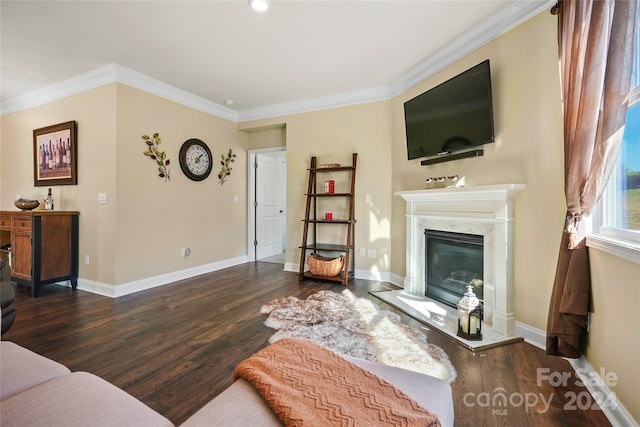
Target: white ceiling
296	52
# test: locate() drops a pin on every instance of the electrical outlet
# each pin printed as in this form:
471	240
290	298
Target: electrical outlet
367	198
186	252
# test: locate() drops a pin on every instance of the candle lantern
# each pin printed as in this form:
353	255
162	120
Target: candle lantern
470	316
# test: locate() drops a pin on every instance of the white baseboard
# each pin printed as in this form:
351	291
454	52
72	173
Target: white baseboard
615	411
376	276
115	291
534	336
397	280
94	287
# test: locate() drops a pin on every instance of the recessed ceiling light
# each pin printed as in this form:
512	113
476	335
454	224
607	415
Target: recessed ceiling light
259	5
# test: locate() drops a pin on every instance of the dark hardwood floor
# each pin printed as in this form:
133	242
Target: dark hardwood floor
175	347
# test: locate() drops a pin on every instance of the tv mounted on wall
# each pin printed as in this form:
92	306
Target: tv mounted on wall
456	115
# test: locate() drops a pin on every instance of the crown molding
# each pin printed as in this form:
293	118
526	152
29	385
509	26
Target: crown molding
499	23
315	104
114	73
507	18
73	86
164	90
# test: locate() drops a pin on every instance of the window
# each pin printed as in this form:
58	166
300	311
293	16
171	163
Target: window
616	221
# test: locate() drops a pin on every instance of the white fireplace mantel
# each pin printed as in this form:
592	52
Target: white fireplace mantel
482	210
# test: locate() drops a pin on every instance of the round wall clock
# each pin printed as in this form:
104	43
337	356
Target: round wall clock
195	159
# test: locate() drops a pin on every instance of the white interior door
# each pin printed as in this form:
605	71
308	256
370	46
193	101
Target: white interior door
282	184
268	207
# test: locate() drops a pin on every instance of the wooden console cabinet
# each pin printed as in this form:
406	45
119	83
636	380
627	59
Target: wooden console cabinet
42	246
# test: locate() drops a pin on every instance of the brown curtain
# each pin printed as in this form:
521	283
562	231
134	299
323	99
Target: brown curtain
597	44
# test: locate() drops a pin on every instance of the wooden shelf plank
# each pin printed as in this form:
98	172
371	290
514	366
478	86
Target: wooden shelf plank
329	195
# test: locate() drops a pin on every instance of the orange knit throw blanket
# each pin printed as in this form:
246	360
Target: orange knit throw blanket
307	384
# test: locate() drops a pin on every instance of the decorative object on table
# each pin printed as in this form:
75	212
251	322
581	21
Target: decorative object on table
195	159
444	182
160	157
456	181
328	216
430	182
26	204
225	170
470	316
55	158
436	182
48	201
325	266
356	327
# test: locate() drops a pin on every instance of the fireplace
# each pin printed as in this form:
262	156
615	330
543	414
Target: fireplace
453	261
485	211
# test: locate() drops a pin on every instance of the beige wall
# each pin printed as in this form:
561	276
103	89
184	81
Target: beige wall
268	137
200	215
333	135
614	341
94	112
139	233
528	150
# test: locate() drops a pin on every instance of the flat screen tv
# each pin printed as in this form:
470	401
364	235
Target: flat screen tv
455	115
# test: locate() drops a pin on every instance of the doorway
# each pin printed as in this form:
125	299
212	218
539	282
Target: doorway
267	205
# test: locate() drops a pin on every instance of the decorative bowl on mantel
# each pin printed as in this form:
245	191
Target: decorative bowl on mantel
26	205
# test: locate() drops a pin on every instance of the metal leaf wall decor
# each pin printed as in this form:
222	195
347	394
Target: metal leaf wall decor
160	157
225	170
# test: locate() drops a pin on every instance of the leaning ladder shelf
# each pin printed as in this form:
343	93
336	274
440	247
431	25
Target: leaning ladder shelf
313	223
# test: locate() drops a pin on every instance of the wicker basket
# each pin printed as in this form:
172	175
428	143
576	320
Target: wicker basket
323	266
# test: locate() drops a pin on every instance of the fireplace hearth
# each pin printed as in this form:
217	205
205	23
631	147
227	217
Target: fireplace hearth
484	211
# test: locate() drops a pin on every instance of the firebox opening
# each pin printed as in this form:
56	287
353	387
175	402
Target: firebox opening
452	262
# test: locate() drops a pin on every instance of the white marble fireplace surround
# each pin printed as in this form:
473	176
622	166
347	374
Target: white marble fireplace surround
481	210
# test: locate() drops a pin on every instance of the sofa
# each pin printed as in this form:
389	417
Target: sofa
38	391
7	295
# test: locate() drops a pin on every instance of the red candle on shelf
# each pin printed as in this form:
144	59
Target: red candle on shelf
329	186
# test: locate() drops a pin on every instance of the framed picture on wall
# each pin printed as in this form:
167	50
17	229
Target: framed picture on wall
55	155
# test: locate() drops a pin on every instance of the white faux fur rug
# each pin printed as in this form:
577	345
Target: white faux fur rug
356	327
